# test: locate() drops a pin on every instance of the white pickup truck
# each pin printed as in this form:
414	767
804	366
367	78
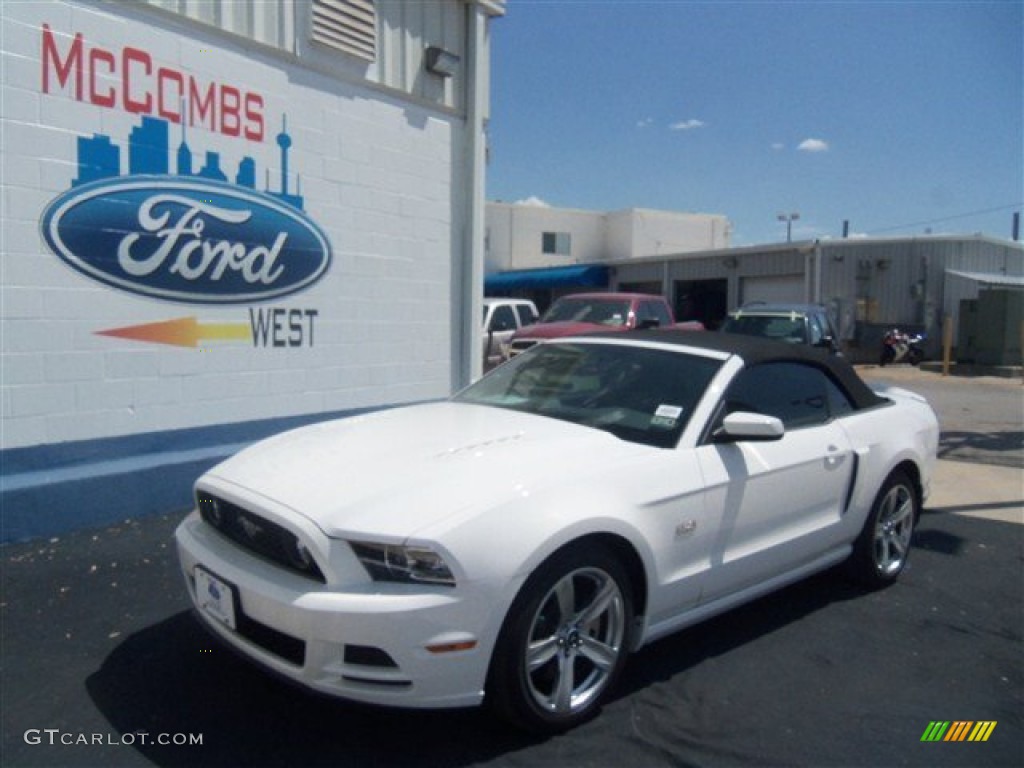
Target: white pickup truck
502	318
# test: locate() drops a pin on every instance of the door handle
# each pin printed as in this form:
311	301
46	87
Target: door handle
834	458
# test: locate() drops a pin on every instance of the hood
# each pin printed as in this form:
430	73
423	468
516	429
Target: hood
393	473
561	329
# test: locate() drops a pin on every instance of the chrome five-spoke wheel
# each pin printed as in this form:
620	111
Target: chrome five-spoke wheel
893	529
881	551
575	641
564	642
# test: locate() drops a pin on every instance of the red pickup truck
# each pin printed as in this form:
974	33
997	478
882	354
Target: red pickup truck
581	313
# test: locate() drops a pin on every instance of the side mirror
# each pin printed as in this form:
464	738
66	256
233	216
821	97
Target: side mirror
743	425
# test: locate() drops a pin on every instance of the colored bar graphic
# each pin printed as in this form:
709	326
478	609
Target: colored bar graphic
182	332
935	731
958	730
982	730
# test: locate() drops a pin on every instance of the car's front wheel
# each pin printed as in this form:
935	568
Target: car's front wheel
564	641
881	551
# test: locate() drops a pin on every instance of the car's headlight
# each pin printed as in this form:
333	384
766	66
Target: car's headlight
410	565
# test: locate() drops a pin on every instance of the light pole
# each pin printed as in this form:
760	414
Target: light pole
789	218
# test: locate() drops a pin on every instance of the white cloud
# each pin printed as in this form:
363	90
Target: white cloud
686	125
533	201
778	146
813	145
645	123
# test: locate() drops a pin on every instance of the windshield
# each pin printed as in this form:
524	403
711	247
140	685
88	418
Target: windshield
789	328
640	394
598	311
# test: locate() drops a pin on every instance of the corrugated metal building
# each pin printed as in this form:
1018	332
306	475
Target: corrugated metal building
869	284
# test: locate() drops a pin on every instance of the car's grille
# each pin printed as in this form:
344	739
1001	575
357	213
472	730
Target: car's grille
520	346
258	535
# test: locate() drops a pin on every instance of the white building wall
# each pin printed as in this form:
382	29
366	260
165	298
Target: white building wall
641	232
515	234
378	172
375	174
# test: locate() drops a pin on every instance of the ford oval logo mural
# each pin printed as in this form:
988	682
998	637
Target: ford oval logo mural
186	239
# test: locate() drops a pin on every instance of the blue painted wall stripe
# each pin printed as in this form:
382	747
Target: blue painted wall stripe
48	490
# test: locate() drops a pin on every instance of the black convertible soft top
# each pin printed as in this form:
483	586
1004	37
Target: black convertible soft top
753	350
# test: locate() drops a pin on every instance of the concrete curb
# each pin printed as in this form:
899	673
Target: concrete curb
978	490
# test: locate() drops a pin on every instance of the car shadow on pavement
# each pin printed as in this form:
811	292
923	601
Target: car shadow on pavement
1002	448
672	655
173	681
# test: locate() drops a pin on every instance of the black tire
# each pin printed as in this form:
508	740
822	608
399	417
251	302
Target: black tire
881	551
886	357
915	356
564	641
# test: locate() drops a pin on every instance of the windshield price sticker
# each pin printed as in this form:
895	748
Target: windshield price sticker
215	597
666	416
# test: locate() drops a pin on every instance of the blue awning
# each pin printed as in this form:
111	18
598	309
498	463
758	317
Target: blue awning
551	277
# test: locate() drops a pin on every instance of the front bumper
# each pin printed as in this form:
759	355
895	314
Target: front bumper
368	642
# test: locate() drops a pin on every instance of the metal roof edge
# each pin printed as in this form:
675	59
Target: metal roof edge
808	246
491	7
989	278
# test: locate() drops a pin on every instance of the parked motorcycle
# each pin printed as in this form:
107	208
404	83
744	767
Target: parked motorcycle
898	347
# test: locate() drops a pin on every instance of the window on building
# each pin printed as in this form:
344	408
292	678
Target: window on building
346	25
558	243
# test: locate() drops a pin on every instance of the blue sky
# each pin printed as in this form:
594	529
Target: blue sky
900	117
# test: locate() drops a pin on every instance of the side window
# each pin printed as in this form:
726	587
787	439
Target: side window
652	310
838	402
503	319
797	394
526	314
828	328
659	312
817	332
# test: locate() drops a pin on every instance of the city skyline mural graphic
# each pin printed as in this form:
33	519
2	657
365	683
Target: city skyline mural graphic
149	153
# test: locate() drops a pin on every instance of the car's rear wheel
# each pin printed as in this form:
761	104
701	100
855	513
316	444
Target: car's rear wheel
881	551
564	641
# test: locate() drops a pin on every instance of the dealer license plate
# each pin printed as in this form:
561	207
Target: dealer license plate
215	597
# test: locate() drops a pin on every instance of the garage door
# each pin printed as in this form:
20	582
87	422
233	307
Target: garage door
778	288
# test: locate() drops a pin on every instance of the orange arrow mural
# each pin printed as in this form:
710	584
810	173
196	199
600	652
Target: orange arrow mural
182	332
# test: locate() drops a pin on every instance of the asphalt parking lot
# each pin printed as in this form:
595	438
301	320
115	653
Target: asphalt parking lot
101	661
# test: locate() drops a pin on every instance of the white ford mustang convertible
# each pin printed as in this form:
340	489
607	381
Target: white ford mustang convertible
514	544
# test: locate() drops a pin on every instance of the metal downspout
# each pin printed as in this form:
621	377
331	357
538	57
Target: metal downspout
470	363
817	272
